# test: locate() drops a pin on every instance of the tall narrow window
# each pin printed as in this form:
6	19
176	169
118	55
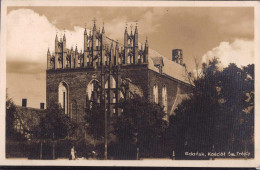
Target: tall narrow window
164	98
155	93
112	83
63	97
93	91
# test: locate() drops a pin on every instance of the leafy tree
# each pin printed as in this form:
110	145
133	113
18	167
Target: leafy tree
214	118
55	124
237	92
11	117
95	120
141	123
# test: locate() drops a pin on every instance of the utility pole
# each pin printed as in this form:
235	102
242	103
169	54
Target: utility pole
103	100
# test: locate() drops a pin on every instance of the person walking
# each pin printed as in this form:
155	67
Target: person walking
173	155
73	153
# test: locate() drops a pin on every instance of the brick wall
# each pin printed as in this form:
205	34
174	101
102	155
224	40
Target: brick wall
171	84
78	79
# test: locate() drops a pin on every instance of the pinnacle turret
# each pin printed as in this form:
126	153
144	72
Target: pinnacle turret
103	29
136	30
76	49
146	42
94	27
126	29
85	32
56	38
131	29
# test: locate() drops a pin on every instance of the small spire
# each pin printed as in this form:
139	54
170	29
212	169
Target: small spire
136	30
48	51
64	37
131	29
94	20
146	42
76	49
71	48
56	38
126	28
85	32
103	29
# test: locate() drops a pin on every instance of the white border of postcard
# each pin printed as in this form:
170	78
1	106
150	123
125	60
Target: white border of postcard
149	163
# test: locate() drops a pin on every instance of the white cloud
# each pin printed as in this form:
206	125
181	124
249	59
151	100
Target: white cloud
29	35
240	52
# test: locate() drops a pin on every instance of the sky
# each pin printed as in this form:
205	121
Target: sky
201	32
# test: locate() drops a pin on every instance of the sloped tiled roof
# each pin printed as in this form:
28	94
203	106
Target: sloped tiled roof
169	67
29	117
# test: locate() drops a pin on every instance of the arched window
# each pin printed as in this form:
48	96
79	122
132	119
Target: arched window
155	93
93	91
64	96
112	83
164	98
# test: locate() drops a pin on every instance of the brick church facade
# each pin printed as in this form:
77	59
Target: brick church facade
75	79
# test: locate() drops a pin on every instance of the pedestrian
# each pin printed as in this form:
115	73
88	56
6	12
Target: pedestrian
173	155
73	153
94	155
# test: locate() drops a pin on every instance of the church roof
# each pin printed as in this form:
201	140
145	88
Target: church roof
169	67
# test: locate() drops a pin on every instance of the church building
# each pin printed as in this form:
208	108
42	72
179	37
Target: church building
75	79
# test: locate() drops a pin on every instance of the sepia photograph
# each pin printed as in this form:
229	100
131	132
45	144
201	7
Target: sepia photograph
129	82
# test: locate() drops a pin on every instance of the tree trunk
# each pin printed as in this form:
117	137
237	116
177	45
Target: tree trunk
53	150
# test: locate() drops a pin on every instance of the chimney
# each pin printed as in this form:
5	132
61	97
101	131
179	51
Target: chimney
24	102
177	56
41	105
